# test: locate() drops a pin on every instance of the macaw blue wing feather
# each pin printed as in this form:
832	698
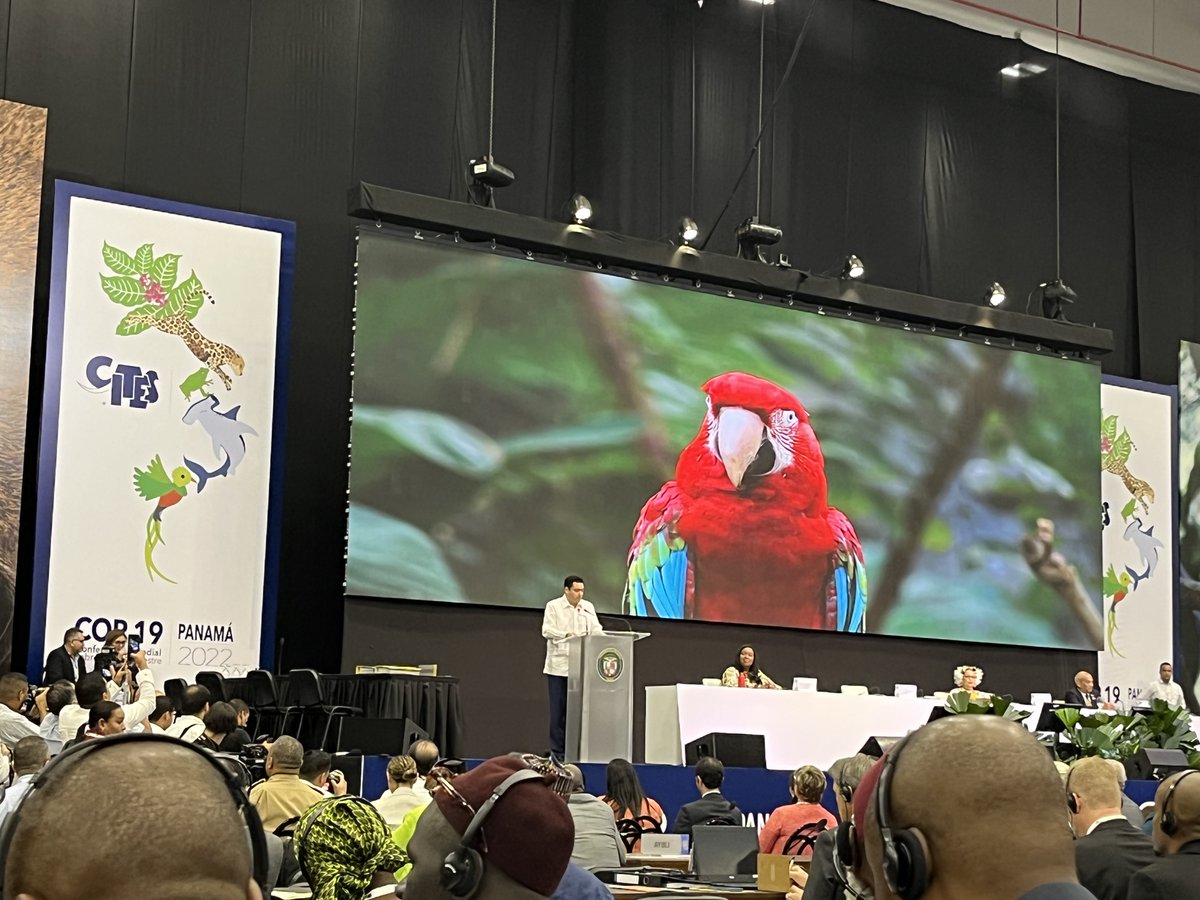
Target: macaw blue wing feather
658	578
849	586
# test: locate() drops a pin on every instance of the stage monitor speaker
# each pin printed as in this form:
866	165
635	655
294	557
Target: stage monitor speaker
1155	763
378	737
877	746
743	751
413	733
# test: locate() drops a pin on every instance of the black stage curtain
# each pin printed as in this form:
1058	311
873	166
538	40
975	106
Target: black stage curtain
895	138
433	703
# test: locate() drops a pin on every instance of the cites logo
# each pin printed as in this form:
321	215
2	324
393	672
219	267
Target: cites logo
127	383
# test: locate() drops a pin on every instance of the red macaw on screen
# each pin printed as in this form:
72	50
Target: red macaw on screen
744	532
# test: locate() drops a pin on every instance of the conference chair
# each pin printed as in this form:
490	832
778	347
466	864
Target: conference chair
173	688
215	682
263	701
631	830
306	696
804	838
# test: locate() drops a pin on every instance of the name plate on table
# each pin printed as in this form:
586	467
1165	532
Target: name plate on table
662	845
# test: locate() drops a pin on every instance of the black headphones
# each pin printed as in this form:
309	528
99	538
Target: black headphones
1072	803
1168	823
73	755
845	853
462	870
905	862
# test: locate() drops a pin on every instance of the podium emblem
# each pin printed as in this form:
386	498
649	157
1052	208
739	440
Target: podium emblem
610	664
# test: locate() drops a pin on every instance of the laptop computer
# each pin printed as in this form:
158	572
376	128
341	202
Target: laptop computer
723	854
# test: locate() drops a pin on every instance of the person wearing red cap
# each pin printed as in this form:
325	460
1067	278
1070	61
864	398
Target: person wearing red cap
946	832
520	851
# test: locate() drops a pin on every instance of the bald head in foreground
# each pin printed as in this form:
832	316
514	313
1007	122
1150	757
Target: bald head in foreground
161	800
1176	840
950	824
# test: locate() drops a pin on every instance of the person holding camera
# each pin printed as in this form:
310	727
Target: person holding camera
316	772
15	704
59	695
92	688
112	661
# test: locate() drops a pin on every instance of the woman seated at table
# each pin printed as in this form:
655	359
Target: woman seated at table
793	829
968	678
629	803
746	672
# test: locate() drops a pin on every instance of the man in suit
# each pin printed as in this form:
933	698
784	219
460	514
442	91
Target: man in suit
1085	693
66	663
951	830
1176	840
1108	850
712	808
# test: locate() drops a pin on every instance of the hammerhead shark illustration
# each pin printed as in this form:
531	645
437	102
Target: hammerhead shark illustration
228	437
1147	545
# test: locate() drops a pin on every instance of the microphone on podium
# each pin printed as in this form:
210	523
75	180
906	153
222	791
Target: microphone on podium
624	622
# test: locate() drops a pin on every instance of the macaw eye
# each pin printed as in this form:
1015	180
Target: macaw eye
787	418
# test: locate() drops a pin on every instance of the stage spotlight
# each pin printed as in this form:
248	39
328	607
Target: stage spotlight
487	175
1054	295
579	209
753	235
995	295
854	267
688	229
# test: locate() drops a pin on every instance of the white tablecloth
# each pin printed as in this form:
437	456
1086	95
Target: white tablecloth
799	727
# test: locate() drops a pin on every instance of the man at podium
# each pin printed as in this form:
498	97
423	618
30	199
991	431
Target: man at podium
566	617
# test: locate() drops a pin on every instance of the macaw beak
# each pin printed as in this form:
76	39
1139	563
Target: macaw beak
739	436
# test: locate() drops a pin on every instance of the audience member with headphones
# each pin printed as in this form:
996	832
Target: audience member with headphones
824	881
926	828
188	827
1176	840
1108	850
501	833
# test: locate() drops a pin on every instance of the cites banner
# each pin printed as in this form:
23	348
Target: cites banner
22	147
1138	513
160	465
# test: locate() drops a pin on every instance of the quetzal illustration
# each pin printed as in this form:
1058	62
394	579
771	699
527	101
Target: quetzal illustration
1117	587
744	533
154	484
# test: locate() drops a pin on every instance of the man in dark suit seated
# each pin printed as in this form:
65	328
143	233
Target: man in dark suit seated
1176	840
712	808
66	663
1085	693
1108	850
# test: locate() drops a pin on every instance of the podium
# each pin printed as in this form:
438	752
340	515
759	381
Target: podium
600	696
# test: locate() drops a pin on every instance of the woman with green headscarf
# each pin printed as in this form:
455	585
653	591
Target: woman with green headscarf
346	852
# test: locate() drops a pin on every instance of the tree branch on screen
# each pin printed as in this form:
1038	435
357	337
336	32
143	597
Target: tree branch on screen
980	394
606	328
1053	569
